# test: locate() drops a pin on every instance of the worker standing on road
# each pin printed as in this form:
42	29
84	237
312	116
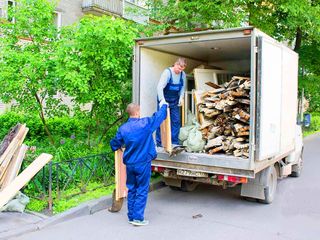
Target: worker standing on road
136	136
171	89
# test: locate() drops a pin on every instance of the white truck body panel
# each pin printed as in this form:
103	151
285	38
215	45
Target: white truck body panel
270	99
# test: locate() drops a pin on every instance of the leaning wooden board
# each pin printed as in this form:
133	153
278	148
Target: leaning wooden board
120	175
23	178
14	166
165	129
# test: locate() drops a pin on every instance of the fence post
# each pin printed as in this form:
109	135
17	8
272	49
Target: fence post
50	201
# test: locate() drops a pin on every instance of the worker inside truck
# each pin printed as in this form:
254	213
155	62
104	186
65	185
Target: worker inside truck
170	89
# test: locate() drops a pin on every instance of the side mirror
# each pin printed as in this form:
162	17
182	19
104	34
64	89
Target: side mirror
306	120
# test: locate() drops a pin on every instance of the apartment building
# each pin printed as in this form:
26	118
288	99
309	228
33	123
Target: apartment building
70	11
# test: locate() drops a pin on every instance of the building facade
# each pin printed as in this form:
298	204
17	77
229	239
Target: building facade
69	11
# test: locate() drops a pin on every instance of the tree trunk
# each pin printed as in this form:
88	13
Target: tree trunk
41	114
106	129
298	39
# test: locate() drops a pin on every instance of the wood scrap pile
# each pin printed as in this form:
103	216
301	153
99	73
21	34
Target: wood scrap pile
224	117
12	152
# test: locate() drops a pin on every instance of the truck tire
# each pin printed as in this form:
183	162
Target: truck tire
271	185
297	168
188	186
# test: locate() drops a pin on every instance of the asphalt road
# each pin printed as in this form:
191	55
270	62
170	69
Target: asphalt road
212	213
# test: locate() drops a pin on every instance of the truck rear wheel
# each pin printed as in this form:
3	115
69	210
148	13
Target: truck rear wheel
271	185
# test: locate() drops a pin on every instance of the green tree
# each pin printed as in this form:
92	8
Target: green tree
95	57
185	15
27	59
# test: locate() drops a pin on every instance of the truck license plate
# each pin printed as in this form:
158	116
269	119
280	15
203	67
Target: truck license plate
189	173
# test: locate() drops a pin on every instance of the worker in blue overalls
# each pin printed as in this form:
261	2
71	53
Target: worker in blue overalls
171	89
136	136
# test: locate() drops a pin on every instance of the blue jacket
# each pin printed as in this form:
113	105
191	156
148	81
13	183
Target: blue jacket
136	136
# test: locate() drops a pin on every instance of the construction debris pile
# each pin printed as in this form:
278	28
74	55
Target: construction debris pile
224	117
12	153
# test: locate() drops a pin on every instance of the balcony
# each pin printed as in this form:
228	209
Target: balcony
136	11
100	7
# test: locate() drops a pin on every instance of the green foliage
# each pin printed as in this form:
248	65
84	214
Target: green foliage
94	64
37	205
11	118
94	191
314	126
190	15
309	58
27	60
69	134
64	204
311	86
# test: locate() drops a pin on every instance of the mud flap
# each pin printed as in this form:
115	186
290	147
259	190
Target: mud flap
255	188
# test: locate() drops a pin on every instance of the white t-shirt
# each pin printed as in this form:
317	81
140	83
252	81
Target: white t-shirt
164	80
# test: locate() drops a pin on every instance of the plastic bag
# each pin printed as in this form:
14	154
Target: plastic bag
18	204
190	136
195	143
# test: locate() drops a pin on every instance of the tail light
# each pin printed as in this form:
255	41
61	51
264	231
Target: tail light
157	169
232	179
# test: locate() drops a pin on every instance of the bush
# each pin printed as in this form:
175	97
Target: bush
69	134
11	118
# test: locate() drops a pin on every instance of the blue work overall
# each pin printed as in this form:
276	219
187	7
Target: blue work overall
136	136
172	95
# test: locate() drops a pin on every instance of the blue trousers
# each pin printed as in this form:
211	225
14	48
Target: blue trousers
175	126
138	181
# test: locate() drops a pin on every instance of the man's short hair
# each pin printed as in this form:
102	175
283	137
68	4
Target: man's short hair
181	61
132	109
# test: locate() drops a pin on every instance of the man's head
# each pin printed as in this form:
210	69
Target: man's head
133	110
179	65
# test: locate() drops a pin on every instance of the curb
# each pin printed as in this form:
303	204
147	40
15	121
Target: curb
84	209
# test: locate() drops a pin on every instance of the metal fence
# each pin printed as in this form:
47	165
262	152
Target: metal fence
53	181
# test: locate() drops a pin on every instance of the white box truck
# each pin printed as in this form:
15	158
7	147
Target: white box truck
275	137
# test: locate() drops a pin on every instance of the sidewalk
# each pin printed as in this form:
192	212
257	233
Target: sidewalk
15	224
13	221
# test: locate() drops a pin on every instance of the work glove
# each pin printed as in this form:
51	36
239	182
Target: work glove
163	101
180	101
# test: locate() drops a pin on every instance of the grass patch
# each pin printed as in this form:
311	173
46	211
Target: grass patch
94	191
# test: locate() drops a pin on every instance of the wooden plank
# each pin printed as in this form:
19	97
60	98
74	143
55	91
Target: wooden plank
120	175
13	146
11	190
14	166
165	130
182	114
7	140
213	85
